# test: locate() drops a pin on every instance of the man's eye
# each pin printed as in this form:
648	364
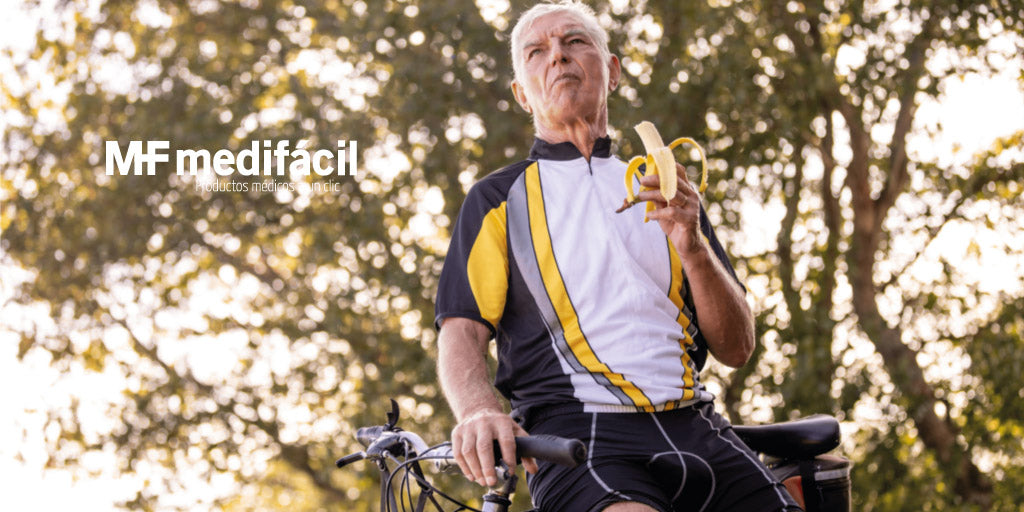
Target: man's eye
577	40
532	53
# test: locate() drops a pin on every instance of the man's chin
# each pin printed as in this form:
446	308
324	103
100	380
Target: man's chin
574	112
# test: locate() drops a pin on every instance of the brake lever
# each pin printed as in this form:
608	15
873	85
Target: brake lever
392	416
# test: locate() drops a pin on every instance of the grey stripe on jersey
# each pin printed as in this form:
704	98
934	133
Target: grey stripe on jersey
521	244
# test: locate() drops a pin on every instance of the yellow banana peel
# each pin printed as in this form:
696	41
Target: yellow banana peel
660	161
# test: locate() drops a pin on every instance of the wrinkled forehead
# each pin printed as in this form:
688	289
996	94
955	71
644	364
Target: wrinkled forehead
555	24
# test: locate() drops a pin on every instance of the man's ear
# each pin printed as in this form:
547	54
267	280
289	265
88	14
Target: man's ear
520	95
614	72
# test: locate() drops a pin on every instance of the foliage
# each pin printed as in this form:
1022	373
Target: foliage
253	332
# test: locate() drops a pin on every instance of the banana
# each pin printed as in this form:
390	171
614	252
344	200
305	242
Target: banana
661	162
664	162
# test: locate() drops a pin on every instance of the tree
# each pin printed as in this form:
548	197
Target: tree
322	301
850	208
255	331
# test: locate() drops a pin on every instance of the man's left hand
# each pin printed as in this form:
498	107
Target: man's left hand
679	217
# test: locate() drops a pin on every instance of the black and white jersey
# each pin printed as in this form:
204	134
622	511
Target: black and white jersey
588	306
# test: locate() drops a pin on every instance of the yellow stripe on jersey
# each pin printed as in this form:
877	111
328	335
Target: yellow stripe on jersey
490	253
675	293
559	296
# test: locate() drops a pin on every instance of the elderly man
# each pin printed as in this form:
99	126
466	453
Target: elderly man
595	313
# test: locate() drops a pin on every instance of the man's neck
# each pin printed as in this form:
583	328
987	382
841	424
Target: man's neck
582	133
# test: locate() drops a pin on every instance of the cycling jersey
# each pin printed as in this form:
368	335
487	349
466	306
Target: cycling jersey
588	307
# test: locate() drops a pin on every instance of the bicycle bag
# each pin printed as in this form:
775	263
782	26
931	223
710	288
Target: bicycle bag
818	485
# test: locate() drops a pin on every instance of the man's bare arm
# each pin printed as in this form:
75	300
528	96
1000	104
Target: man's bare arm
462	370
462	367
725	317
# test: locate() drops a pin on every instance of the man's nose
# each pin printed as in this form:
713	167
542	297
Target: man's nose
558	55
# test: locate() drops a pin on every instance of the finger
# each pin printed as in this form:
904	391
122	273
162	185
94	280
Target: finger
650	180
651	195
681	173
530	465
507	442
485	452
683	185
471	461
657	214
687	189
669	213
687	204
457	451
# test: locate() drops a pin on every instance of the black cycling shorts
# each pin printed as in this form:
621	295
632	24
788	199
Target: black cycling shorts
683	460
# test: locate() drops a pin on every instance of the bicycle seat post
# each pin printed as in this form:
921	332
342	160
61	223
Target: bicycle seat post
497	500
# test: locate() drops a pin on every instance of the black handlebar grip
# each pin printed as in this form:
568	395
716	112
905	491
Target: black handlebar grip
367	435
348	459
567	452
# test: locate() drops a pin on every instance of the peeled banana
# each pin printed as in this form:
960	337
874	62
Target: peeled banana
661	162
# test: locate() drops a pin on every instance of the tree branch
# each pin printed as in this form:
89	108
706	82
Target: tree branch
298	458
295	456
974	184
832	216
784	242
933	231
898	161
150	353
267	275
829	95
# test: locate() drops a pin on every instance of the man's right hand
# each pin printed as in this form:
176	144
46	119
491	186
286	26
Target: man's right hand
462	370
473	445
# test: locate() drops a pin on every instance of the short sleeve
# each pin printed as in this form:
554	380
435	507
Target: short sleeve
474	279
716	246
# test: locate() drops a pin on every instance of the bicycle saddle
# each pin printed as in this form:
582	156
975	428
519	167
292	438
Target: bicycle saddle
798	439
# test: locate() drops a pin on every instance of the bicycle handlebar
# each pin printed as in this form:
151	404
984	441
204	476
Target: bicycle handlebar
558	450
567	452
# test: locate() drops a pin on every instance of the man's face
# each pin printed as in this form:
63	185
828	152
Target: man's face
565	77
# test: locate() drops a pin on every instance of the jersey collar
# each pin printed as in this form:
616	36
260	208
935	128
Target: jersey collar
567	151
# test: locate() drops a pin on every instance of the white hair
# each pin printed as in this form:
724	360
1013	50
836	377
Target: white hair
581	11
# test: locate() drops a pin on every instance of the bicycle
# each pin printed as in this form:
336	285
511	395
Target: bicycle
407	450
794	451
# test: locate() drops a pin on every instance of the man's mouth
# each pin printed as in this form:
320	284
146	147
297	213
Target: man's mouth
565	77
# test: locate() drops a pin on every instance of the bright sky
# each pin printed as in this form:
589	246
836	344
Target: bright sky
974	112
